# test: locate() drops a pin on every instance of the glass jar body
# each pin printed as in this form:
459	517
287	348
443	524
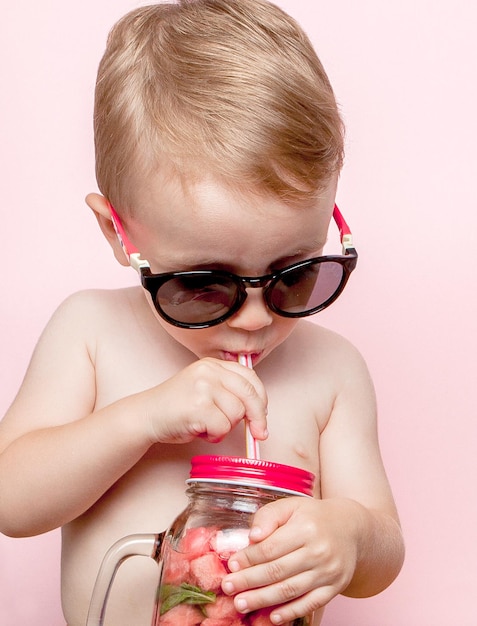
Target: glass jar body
195	553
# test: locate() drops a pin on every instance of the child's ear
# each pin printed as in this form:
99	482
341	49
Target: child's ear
100	207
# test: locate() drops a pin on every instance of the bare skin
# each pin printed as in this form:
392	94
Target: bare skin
117	401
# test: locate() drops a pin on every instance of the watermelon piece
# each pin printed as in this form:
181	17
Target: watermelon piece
197	541
181	615
208	571
211	621
222	608
177	567
260	618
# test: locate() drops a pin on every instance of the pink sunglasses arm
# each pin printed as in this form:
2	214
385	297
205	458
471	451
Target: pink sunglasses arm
131	252
345	232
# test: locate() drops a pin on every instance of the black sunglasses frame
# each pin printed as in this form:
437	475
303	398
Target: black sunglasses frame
153	282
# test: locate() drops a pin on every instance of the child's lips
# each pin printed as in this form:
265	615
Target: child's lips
234	356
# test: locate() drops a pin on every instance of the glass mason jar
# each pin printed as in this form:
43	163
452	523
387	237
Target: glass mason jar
224	493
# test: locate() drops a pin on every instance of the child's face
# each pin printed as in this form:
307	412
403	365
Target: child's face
210	226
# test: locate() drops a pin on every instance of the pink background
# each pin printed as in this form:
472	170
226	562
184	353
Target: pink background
405	75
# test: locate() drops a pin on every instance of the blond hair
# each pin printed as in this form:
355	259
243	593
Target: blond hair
231	87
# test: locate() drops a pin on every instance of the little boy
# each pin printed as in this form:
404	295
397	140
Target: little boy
218	146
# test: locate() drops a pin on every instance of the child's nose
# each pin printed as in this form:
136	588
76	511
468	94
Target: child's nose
253	314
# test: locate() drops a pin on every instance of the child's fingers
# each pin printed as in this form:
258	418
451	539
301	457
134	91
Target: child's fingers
206	399
278	556
251	392
286	584
220	417
304	605
271	517
286	613
275	552
290	583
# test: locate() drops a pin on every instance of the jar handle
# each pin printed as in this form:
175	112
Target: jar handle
131	545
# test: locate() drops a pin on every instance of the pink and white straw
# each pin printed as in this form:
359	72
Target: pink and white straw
252	449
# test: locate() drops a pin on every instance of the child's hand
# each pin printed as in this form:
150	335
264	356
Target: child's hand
301	554
206	399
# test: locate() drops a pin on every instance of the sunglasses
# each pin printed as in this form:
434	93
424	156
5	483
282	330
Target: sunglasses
204	298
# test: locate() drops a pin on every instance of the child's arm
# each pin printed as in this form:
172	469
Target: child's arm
303	551
58	455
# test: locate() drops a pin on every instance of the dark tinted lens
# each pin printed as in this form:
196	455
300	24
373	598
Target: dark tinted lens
306	288
196	298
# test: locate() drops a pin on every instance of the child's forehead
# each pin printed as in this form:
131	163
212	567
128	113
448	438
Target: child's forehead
209	222
171	196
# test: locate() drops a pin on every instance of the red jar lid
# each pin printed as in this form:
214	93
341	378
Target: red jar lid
252	472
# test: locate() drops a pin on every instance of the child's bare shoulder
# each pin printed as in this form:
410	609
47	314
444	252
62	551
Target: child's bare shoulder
85	315
98	302
322	344
317	360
